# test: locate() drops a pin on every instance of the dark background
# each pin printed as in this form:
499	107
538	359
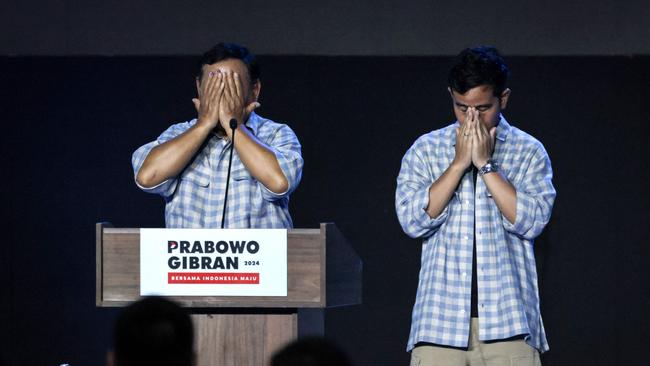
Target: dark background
70	125
333	27
85	82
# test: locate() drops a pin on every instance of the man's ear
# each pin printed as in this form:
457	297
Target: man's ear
255	92
503	99
451	95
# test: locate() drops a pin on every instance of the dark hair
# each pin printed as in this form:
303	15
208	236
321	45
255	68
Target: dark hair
479	66
225	51
310	351
153	331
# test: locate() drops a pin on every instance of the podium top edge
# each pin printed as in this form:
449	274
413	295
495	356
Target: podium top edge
122	230
116	230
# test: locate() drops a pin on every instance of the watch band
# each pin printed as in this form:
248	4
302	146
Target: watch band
490	167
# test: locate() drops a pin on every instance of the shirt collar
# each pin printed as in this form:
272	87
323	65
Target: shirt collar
503	130
254	122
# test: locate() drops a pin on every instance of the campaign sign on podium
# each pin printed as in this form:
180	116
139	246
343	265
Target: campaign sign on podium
213	262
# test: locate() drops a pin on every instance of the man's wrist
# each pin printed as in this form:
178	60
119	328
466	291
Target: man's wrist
490	166
204	125
205	122
457	167
480	163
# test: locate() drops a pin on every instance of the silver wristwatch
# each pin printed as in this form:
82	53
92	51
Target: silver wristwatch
489	167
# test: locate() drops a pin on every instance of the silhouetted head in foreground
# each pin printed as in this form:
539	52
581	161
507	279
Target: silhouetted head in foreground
153	331
310	352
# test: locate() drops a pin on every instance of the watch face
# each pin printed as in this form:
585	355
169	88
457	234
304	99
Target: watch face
489	167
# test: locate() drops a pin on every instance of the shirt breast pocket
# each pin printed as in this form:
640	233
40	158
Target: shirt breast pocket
455	213
456	200
242	185
192	194
196	177
240	174
247	192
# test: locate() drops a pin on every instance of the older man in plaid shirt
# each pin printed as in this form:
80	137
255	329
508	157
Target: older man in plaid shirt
477	192
188	163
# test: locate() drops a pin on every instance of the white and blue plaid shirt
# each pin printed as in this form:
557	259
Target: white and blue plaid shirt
508	300
194	199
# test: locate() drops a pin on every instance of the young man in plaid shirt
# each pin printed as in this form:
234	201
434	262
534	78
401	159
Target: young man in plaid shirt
477	192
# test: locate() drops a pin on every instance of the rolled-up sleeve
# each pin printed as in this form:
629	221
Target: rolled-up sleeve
167	187
287	150
412	197
535	197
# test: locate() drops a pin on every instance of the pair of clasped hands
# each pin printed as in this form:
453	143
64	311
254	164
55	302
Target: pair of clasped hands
474	143
222	98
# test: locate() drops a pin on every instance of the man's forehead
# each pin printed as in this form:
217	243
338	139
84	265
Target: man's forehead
231	65
481	94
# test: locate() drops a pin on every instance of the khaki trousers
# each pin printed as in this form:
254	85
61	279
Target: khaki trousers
507	353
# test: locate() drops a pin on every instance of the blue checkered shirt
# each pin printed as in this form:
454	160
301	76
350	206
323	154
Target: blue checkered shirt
508	300
194	199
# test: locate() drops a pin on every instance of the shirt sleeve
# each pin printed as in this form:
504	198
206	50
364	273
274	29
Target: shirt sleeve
287	150
167	187
535	197
412	197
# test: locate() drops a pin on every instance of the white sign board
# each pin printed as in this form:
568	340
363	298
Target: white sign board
213	262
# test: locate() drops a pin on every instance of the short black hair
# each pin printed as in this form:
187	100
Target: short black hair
478	66
153	331
224	51
310	351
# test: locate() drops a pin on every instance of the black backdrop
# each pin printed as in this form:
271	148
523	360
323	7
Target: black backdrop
70	125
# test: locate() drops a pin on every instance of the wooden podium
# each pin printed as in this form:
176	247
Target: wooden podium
322	271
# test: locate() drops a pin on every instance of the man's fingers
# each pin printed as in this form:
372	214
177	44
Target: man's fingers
204	84
232	92
197	103
460	135
226	87
237	83
221	87
469	135
462	130
472	123
473	129
470	120
480	129
208	93
225	105
212	77
218	88
484	130
218	93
